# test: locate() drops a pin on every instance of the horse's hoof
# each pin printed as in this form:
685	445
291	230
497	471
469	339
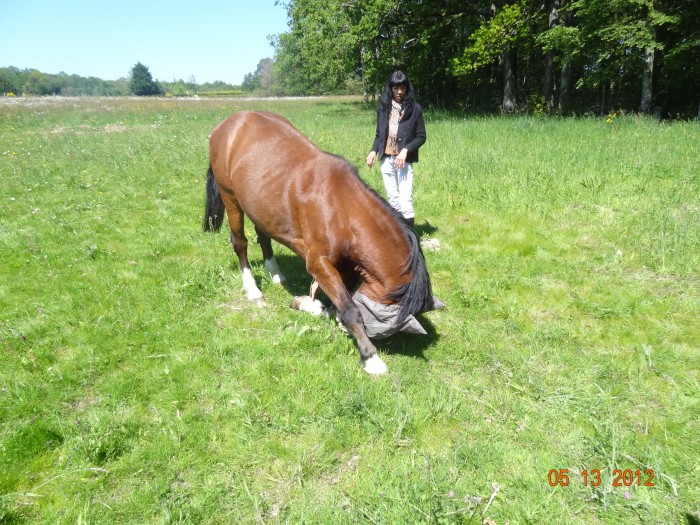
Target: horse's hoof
259	302
374	366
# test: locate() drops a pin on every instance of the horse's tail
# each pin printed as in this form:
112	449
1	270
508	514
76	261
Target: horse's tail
213	205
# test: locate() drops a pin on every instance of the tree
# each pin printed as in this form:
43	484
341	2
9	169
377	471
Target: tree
617	49
39	83
319	52
12	80
550	54
250	82
563	44
263	78
678	73
266	74
497	39
142	83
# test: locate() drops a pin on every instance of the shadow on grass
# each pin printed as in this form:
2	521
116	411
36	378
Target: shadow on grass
693	518
410	345
425	229
298	280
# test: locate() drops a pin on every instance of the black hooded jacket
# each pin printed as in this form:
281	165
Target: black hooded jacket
411	132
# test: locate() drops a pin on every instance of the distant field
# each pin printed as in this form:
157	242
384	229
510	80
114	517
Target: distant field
137	385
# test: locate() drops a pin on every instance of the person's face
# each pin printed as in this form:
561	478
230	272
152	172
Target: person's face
399	92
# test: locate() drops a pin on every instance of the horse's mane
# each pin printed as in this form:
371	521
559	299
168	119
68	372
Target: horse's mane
417	295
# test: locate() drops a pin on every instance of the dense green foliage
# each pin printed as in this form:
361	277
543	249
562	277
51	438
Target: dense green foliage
32	82
553	56
262	80
137	385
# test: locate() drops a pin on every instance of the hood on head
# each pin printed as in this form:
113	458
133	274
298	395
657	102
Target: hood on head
380	319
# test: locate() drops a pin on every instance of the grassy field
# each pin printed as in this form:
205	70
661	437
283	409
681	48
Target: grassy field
138	386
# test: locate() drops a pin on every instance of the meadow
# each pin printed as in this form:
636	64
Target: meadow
560	385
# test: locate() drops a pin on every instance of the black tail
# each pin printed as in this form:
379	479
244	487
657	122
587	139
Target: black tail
213	205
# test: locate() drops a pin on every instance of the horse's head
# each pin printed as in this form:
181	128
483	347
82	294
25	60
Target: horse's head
383	320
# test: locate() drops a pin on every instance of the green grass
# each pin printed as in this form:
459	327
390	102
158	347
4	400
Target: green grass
138	386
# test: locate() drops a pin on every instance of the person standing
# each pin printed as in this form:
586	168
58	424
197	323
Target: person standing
400	133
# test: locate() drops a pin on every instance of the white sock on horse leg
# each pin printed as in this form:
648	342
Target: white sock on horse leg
249	285
274	270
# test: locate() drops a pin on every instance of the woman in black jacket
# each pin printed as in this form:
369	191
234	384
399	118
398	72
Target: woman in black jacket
400	132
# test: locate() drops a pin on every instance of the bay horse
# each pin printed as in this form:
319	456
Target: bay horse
314	203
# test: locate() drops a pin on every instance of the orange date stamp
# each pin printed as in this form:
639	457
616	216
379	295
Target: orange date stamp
592	478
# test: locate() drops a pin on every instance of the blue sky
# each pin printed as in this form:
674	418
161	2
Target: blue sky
209	40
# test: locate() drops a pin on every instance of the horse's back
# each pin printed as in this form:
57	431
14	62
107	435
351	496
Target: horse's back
278	177
264	151
261	135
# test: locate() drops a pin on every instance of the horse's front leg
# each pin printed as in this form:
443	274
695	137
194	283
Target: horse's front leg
332	284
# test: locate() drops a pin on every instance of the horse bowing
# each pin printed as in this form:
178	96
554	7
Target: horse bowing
364	256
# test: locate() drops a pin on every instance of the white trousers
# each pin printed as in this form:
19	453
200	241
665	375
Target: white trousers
399	186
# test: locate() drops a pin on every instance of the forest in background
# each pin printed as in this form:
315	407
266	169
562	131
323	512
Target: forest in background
544	56
552	56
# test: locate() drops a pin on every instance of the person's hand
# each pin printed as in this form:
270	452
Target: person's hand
400	160
371	158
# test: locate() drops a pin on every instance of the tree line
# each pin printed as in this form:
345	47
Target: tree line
553	56
140	82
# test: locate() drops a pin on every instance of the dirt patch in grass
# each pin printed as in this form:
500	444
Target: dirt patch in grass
84	128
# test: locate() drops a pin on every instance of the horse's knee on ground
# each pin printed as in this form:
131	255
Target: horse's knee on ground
305	303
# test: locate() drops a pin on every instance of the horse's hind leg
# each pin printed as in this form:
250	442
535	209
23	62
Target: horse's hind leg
240	246
270	262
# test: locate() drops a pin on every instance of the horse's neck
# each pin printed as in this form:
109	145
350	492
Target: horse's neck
384	270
